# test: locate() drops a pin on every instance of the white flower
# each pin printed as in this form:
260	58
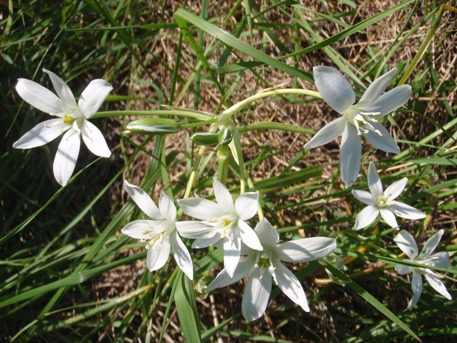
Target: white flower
71	119
160	231
261	267
407	244
383	202
357	119
223	221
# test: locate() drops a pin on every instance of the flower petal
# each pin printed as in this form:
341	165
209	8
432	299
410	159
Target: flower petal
256	294
93	96
201	208
246	205
42	134
38	96
205	242
431	245
366	217
363	196
440	259
167	208
64	92
181	255
327	134
244	267
351	152
94	139
143	229
66	156
223	196
407	244
305	249
388	215
437	284
394	190
290	285
405	211
377	87
374	181
158	254
232	247
389	101
267	234
416	286
403	269
382	139
334	88
143	200
248	236
195	230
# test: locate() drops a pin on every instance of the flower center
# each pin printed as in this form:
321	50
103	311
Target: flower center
361	120
68	119
383	201
263	262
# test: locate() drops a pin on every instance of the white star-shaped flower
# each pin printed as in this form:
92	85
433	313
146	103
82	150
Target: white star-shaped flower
222	222
160	231
72	119
407	244
361	119
383	202
261	268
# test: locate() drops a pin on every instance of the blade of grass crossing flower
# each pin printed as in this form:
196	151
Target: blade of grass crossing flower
369	298
187	308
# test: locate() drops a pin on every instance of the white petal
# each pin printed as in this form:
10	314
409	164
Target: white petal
94	139
167	208
363	196
405	211
66	156
267	234
143	200
377	87
394	190
416	286
438	285
389	101
374	181
205	242
244	267
232	247
382	141
290	285
201	208
305	249
256	294
334	88
38	96
366	217
402	269
42	134
388	216
440	259
327	134
158	254
431	245
407	244
194	229
63	91
93	96
247	204
223	196
248	236
181	255
351	152
143	229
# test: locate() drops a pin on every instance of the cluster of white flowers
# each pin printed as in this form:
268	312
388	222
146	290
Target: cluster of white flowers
252	254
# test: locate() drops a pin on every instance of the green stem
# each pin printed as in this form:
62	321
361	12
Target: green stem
166	113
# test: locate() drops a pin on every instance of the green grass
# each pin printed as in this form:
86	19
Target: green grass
68	274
